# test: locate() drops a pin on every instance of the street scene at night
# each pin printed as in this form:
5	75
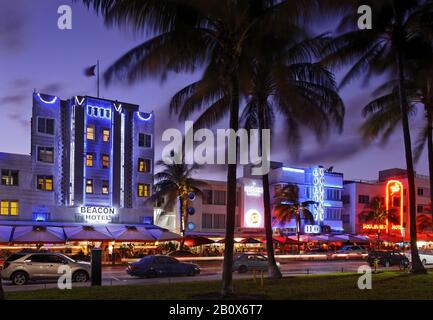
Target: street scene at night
216	150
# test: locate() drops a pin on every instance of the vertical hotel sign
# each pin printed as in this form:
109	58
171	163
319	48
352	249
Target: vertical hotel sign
394	201
319	194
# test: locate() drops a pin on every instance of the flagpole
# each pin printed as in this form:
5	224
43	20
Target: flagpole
97	77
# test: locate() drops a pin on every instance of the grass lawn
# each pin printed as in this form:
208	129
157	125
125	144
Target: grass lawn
386	285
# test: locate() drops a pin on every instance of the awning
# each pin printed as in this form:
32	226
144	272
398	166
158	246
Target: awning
353	238
193	241
88	233
160	234
284	240
37	234
130	233
5	234
250	241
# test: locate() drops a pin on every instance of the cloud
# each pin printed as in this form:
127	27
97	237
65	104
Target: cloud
11	27
13	99
52	88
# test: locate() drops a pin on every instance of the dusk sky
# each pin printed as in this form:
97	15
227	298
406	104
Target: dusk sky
35	54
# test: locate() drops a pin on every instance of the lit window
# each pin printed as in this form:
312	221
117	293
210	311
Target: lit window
9	177
144	165
143	190
9	208
89	160
89	186
45	183
144	140
105	161
90	133
105	135
46	154
105	187
46	126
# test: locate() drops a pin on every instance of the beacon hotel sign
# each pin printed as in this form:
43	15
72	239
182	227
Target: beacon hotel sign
97	214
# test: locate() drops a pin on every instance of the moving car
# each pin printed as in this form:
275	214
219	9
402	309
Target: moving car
426	256
352	249
250	262
388	258
23	266
182	253
159	265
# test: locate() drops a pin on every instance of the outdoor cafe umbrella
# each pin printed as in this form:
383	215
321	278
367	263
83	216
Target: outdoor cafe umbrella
88	233
38	234
5	233
284	240
161	234
130	233
193	241
250	241
224	241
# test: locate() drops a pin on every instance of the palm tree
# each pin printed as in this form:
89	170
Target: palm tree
175	184
424	222
196	33
385	48
288	207
2	295
375	212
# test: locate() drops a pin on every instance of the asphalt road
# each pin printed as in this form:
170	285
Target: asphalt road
210	270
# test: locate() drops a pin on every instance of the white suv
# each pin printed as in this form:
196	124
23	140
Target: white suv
23	266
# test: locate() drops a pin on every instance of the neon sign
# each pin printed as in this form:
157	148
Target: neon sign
253	190
319	194
394	190
253	219
310	228
147	116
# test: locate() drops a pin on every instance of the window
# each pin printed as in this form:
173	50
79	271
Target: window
45	183
144	140
207	196
51	258
42	258
46	125
89	186
105	161
9	208
143	190
333	194
46	154
105	135
363	199
105	187
219	221
90	132
206	221
144	165
89	160
420	208
219	197
420	191
9	177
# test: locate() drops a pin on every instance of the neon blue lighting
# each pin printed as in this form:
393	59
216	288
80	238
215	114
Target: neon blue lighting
293	170
77	101
144	118
95	111
53	100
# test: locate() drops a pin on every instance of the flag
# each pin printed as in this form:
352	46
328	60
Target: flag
90	71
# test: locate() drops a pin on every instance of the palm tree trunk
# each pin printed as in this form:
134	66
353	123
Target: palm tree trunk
298	231
227	276
181	224
417	266
430	151
273	270
2	295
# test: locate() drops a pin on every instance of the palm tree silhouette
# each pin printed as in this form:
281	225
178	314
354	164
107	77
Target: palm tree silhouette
175	184
287	207
381	49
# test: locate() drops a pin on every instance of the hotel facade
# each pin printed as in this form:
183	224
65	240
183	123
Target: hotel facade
90	162
209	210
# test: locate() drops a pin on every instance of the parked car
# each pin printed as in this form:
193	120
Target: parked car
182	253
23	266
250	262
426	256
159	265
317	251
388	258
352	249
